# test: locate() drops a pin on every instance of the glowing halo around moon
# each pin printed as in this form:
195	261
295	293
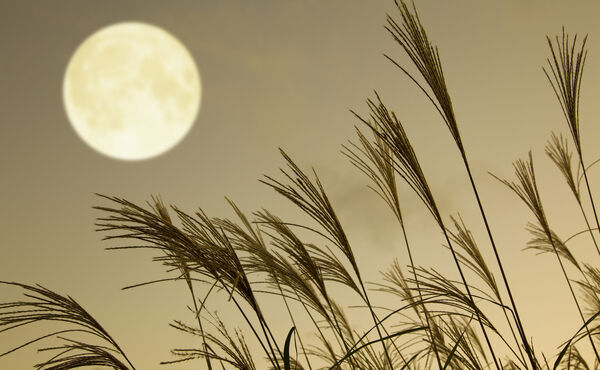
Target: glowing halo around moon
131	91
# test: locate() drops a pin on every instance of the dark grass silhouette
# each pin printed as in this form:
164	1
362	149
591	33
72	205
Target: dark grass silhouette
440	322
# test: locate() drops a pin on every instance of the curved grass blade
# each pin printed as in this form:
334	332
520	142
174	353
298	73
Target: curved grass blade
405	366
286	349
455	347
568	344
347	355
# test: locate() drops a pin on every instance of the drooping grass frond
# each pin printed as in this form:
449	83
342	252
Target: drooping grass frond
437	333
473	344
270	268
311	198
474	260
314	266
217	256
43	306
161	210
153	228
439	290
526	189
359	359
283	278
375	160
396	283
542	244
324	352
509	364
75	354
365	347
372	159
295	283
332	268
287	281
371	359
318	264
199	245
591	288
566	67
472	257
250	240
221	260
345	327
255	257
368	356
565	71
243	237
225	347
298	277
412	37
466	348
557	149
388	127
294	364
574	360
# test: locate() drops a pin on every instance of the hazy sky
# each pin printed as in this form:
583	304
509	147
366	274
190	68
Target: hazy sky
283	73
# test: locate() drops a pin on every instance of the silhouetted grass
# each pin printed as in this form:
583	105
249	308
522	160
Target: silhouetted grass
438	322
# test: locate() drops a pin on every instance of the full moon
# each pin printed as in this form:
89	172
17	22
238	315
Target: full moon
131	91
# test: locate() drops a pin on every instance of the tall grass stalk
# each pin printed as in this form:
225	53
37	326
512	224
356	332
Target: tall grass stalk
527	190
312	199
373	162
386	125
565	76
557	149
411	35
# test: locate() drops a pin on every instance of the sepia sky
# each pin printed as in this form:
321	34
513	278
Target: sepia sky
285	74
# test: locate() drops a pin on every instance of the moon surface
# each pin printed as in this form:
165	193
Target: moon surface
131	91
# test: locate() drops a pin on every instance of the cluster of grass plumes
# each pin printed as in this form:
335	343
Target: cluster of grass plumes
97	348
472	322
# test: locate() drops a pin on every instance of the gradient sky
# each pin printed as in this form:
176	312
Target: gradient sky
283	73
